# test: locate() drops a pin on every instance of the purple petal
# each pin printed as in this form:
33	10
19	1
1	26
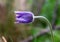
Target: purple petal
24	17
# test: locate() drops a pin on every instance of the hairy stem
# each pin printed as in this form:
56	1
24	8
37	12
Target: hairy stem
49	25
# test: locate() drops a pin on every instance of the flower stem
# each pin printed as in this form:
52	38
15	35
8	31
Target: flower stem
48	23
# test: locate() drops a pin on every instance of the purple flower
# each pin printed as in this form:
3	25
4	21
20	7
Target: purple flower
24	17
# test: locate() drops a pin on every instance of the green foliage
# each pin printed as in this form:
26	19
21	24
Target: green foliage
57	36
58	15
48	9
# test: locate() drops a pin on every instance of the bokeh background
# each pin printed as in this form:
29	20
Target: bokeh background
22	32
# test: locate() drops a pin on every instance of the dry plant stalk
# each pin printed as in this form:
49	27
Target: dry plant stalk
4	39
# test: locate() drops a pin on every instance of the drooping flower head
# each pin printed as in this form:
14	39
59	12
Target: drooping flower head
24	16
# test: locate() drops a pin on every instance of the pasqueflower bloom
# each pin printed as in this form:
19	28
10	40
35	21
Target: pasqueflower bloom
24	17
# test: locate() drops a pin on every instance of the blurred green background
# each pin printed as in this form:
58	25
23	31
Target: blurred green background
20	32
